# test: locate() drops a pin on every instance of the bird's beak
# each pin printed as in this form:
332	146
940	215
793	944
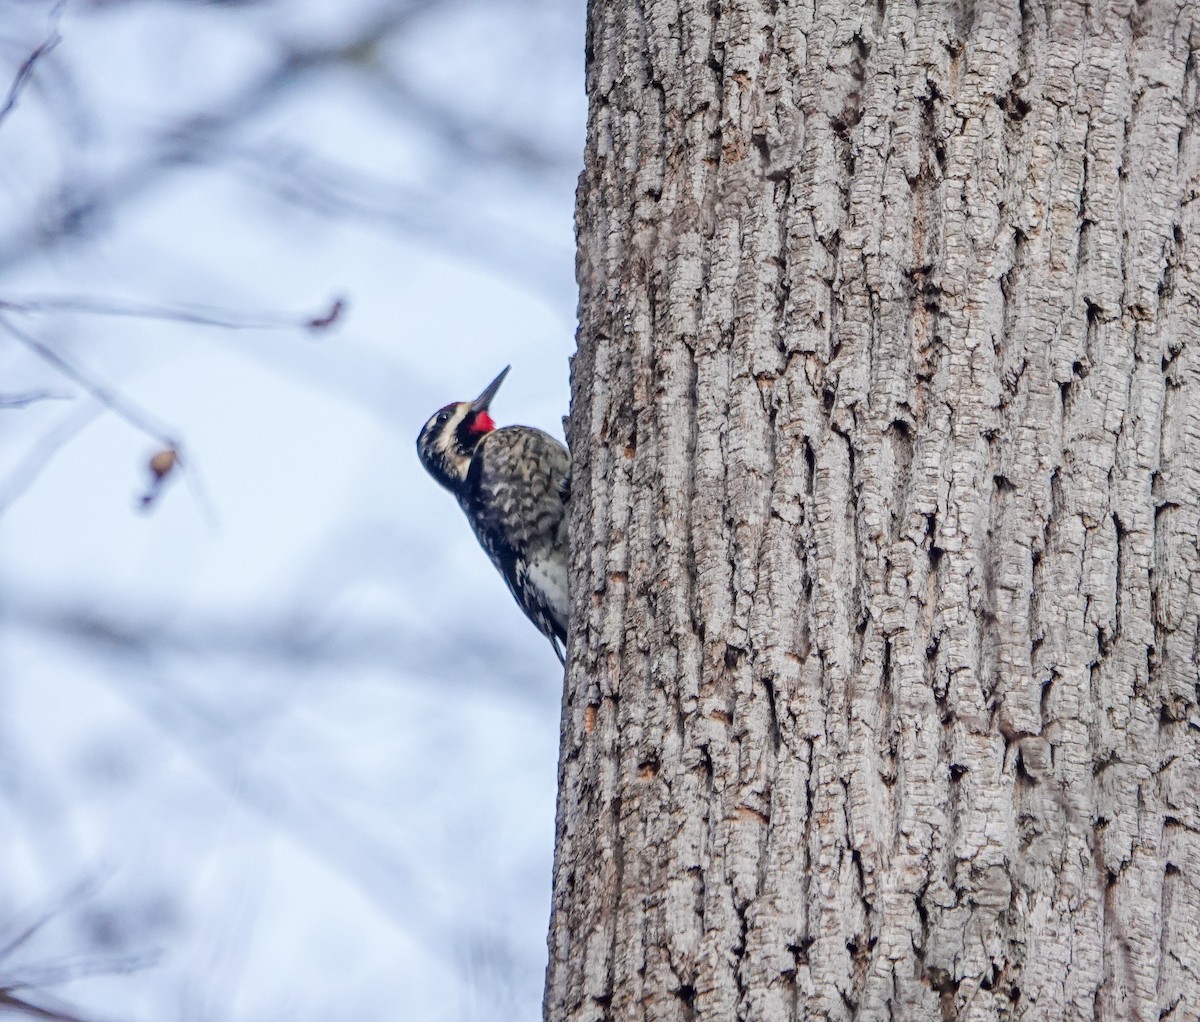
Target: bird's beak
480	404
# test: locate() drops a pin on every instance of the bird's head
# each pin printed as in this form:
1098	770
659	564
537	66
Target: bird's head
448	441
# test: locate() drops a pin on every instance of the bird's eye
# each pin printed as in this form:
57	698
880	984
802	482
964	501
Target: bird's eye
443	416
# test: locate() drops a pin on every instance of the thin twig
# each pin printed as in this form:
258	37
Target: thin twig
303	179
25	71
111	399
75	894
16	1004
199	491
50	974
119	405
178	312
206	131
29	397
42	452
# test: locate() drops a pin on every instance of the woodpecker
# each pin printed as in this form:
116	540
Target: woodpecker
513	484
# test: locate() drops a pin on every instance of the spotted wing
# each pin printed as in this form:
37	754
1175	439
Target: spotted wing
513	498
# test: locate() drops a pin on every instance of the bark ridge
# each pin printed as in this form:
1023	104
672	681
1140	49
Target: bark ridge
886	506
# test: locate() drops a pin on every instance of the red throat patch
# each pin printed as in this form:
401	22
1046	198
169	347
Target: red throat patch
481	423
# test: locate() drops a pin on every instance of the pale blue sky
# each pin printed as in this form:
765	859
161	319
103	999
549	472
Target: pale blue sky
302	741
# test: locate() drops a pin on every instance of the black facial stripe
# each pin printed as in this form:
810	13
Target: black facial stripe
465	436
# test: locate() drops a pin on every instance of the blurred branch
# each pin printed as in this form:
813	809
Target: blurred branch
204	137
302	178
42	453
478	139
25	71
115	402
76	894
208	736
214	730
449	660
197	138
52	973
29	397
180	312
110	398
35	976
22	1007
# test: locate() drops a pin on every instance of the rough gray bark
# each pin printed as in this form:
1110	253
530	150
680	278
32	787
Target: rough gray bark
886	433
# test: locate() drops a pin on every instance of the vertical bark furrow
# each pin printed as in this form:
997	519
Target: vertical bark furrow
886	452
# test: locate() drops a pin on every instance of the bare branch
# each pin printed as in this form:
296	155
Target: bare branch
76	894
205	734
29	397
33	977
304	179
469	136
111	399
22	1007
197	138
178	312
115	402
300	639
42	453
52	973
25	71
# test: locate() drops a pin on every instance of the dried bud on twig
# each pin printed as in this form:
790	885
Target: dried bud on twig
330	318
161	464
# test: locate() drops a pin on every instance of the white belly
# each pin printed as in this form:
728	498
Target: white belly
549	576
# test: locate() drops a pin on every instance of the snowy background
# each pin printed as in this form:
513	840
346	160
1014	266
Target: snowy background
280	746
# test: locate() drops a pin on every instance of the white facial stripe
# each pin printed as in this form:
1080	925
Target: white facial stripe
446	460
449	438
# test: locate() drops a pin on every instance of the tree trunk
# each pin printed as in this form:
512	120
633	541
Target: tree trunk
886	438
